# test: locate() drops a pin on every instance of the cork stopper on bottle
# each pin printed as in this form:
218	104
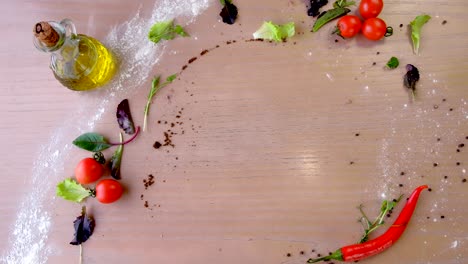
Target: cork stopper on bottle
46	34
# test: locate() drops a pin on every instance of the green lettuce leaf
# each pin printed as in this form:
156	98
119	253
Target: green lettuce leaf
72	191
416	26
275	32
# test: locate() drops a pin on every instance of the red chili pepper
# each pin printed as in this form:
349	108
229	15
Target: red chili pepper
379	244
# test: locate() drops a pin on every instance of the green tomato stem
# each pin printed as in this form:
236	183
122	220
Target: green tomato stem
389	32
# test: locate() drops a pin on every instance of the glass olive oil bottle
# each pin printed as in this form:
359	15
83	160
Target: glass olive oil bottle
79	62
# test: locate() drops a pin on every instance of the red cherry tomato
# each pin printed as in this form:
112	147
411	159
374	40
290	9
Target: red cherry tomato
349	26
88	171
108	191
370	8
374	28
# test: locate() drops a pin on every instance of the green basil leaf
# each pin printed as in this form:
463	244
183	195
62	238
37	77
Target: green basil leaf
328	16
165	30
171	78
92	142
343	3
70	190
161	30
180	30
393	63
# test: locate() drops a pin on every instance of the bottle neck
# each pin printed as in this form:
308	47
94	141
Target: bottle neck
50	36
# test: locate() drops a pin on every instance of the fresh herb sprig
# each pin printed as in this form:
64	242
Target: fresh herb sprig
370	226
155	87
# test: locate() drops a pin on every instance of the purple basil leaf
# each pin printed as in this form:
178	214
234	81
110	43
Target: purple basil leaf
124	117
84	227
411	77
229	13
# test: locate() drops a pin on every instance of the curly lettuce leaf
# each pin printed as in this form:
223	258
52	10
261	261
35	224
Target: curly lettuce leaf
70	190
275	32
416	26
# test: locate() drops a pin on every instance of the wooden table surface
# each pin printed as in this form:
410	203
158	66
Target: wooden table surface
275	147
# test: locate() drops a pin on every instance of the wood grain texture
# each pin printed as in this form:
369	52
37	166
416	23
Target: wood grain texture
267	160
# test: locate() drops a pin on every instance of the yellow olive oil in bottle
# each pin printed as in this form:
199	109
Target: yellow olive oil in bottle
79	62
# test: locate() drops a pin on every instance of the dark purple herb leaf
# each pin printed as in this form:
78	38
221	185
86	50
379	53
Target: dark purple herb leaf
92	142
315	5
124	117
84	227
229	12
411	77
116	160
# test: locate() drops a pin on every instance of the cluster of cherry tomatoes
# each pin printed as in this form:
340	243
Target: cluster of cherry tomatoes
372	28
89	171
